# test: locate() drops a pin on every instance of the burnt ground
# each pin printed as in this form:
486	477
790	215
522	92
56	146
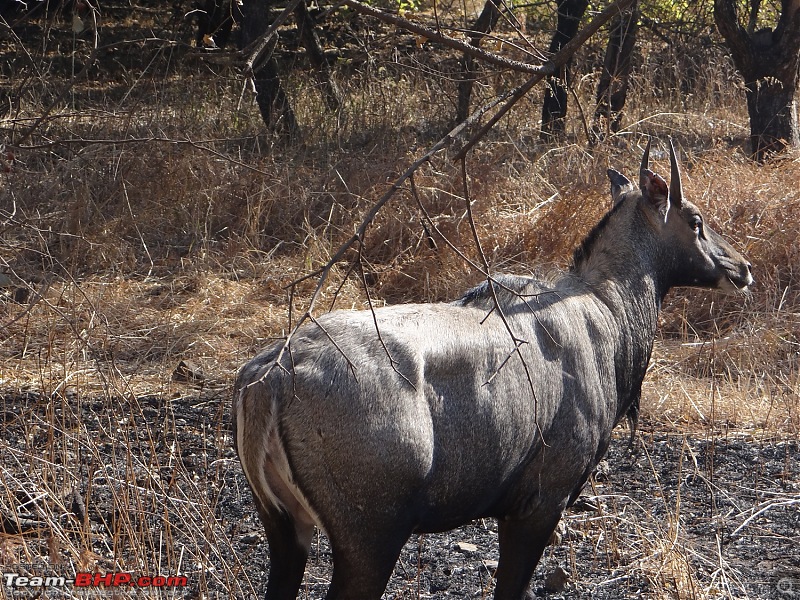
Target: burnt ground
673	516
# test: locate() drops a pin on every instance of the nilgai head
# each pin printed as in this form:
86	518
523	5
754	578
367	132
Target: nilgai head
696	255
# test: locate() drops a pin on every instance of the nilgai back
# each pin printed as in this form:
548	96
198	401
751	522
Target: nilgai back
499	404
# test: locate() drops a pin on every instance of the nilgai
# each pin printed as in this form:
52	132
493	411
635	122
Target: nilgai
499	404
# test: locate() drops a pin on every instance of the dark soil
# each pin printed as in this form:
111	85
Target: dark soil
722	509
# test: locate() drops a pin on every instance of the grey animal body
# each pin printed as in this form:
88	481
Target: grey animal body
446	417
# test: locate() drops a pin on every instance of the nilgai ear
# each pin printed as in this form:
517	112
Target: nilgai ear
620	185
645	165
675	186
654	191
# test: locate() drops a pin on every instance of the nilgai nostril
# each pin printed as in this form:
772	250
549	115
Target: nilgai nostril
448	416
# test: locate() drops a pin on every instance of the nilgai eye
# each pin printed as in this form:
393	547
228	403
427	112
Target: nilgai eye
697	225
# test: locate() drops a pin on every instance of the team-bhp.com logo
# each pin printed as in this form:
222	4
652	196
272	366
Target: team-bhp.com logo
94	580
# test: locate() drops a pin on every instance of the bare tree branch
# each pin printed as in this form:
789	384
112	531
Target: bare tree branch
552	66
513	96
517	341
444	238
258	47
392	362
445	40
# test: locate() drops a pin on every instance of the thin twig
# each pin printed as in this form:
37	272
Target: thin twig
345	277
552	66
392	361
446	40
518	342
335	344
581	112
444	238
765	506
73	80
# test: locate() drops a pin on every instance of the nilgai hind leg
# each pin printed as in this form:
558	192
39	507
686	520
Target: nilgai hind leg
362	568
521	546
288	551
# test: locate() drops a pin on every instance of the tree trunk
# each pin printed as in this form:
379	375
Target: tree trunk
773	117
273	103
308	36
612	90
215	19
483	25
554	109
769	62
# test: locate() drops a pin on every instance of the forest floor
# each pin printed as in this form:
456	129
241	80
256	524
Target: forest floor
664	513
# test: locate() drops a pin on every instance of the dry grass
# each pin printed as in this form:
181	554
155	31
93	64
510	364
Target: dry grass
176	236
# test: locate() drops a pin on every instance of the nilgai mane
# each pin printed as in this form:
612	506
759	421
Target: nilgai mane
446	417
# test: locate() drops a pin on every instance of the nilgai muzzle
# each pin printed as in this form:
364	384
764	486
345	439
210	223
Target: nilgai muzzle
446	418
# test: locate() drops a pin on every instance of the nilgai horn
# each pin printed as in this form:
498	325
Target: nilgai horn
446	417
